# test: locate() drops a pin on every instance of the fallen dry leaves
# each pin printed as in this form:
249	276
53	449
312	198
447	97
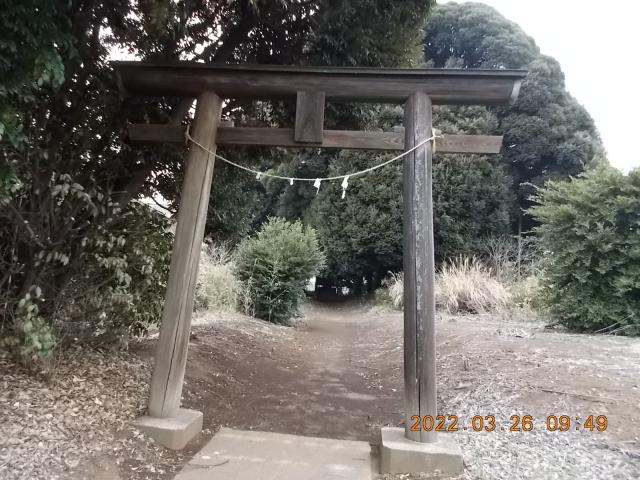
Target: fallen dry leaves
56	424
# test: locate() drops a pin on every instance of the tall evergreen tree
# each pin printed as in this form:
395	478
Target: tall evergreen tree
362	234
66	168
547	133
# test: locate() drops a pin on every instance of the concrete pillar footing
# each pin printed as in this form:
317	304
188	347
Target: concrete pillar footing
401	455
172	432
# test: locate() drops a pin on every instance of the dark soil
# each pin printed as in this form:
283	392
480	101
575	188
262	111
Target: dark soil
339	375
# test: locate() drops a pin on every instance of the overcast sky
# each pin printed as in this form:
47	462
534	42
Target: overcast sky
598	45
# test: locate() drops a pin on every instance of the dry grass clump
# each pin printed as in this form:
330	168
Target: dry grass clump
463	285
394	289
466	285
511	259
217	288
526	293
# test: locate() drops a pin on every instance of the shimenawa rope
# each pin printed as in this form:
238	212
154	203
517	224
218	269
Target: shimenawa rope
316	181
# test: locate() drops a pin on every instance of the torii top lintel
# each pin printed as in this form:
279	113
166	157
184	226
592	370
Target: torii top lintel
378	85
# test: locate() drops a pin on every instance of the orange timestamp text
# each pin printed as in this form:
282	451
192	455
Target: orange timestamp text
517	423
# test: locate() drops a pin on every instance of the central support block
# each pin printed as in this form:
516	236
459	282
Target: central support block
401	455
309	117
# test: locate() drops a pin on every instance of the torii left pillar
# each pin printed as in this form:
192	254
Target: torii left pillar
166	422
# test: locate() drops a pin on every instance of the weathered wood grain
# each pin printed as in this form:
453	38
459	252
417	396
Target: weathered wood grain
309	117
411	387
171	354
284	137
444	86
419	269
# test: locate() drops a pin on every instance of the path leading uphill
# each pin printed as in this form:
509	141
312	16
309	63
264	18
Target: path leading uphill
340	376
336	375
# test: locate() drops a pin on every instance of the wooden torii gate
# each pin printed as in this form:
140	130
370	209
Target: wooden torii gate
418	89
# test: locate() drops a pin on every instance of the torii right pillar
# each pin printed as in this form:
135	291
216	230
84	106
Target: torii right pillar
421	448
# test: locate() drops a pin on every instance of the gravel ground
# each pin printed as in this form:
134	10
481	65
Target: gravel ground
539	453
497	367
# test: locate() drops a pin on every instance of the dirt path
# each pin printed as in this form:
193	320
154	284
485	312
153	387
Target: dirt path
315	380
338	375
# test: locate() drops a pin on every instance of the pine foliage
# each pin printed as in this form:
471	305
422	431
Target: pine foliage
590	231
275	265
547	133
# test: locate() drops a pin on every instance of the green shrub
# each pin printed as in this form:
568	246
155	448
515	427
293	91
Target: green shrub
590	232
362	233
471	201
113	289
275	265
32	337
120	291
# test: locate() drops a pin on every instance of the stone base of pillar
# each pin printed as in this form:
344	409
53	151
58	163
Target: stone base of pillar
172	432
401	455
